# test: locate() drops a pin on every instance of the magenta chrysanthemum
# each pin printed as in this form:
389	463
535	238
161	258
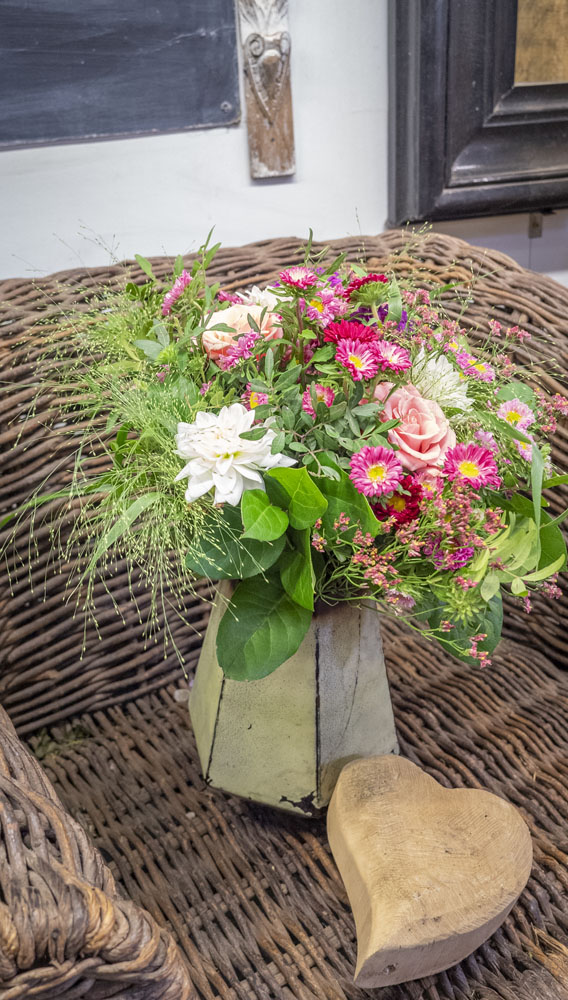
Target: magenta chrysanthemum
477	369
324	394
175	291
375	471
391	356
360	359
347	330
472	464
252	399
516	413
298	277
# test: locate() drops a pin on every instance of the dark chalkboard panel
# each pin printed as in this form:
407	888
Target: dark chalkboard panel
81	69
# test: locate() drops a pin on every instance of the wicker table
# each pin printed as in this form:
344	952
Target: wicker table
253	897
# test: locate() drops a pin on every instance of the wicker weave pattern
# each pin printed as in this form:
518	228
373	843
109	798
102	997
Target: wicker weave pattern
254	898
64	931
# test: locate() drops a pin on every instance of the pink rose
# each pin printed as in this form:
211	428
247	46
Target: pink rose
217	342
423	435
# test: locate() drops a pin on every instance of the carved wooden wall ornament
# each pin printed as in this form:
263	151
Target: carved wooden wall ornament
266	58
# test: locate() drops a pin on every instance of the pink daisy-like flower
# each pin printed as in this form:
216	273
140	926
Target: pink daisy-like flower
516	413
175	291
375	471
392	356
360	359
298	277
524	449
326	307
477	369
472	464
252	399
346	330
324	394
487	438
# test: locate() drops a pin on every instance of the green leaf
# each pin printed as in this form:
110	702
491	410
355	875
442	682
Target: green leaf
144	265
490	586
296	570
288	378
343	498
161	333
178	266
269	364
255	435
537	475
555	481
150	347
224	555
305	502
546	571
394	300
261	628
552	544
261	519
323	353
278	443
121	526
517	390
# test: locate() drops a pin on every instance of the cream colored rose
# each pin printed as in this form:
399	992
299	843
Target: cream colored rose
217	342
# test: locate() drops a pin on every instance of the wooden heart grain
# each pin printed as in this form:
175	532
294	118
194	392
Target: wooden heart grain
430	872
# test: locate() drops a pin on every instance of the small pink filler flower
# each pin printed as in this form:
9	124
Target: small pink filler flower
360	359
177	289
324	394
298	277
472	464
375	471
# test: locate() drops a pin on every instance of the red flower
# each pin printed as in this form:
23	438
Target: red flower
344	330
358	283
404	507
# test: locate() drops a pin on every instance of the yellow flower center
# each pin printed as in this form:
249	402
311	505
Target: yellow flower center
376	473
398	503
453	345
253	400
316	304
513	417
469	469
355	361
480	367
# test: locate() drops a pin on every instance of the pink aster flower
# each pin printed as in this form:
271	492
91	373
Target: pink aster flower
472	464
360	359
326	307
175	291
487	438
298	277
472	366
252	399
392	356
346	330
375	471
524	449
324	394
516	413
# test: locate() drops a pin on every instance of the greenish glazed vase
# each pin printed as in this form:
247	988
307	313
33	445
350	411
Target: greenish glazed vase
283	740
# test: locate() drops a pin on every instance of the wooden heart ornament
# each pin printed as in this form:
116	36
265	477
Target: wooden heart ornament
430	872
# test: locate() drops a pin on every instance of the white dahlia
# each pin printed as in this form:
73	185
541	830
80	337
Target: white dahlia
220	459
263	297
437	379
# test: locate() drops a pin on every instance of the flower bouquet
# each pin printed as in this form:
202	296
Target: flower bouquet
332	439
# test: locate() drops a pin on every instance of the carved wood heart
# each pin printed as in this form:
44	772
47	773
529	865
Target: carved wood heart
430	872
267	63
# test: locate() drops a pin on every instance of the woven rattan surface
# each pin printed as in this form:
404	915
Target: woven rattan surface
252	896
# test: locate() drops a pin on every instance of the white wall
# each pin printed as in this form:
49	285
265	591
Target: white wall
85	204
